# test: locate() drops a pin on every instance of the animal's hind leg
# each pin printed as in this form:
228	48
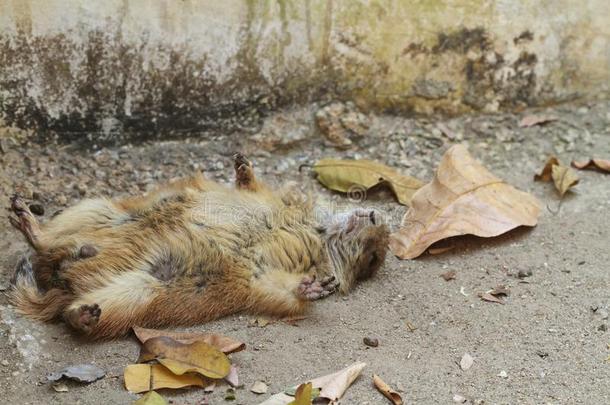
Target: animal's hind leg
25	221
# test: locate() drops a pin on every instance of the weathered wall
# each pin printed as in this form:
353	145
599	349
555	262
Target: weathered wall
102	67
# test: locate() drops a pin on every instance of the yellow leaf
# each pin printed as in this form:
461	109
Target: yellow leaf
358	176
151	398
386	390
182	358
464	198
146	377
223	343
564	178
303	395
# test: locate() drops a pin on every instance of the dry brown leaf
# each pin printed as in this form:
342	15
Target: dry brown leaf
146	377
302	395
531	120
490	298
450	275
180	358
464	198
599	164
564	178
333	386
223	343
387	392
357	176
547	171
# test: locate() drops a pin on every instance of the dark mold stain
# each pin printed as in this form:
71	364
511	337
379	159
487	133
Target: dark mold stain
462	41
525	36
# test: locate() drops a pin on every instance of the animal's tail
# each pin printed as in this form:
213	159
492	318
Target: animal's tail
30	300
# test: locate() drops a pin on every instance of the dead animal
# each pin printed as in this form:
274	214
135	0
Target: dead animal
189	252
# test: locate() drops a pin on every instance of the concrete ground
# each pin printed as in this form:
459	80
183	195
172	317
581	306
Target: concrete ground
547	344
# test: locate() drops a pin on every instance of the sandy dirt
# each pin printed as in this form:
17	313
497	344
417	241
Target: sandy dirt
547	344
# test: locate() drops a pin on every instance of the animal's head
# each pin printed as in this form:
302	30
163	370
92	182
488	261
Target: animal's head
357	244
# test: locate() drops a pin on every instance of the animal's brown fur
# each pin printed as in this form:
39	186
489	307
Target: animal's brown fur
189	252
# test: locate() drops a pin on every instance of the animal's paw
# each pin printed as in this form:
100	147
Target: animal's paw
244	174
312	289
88	316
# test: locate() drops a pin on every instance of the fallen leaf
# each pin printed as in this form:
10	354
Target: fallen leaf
499	290
450	275
531	120
547	171
387	392
232	378
147	377
466	362
293	320
411	327
151	398
86	373
599	164
259	387
333	386
60	387
223	343
351	176
261	322
180	358
230	394
302	395
464	198
564	178
490	298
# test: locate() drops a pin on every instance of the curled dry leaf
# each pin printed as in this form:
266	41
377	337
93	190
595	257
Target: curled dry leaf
531	120
351	176
303	395
464	198
602	165
563	177
151	398
440	250
466	362
180	358
490	298
223	343
60	387
387	392
147	377
86	373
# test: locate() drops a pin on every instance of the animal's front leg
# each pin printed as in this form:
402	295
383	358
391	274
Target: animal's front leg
244	174
25	221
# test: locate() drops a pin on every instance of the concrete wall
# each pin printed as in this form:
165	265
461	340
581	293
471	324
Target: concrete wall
173	66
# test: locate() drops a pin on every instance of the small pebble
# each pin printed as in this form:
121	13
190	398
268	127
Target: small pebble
4	363
372	342
603	327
